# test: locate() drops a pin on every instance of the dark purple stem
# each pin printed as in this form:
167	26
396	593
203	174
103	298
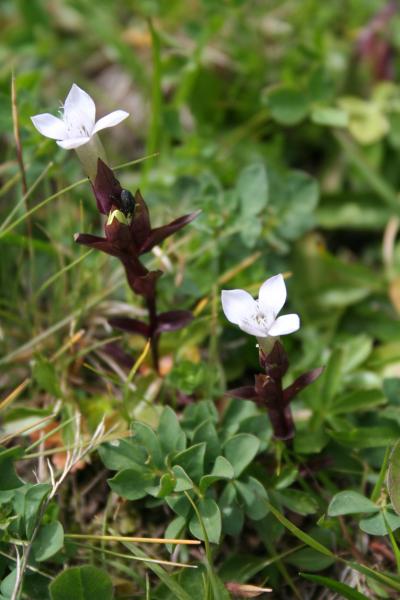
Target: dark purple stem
154	336
270	389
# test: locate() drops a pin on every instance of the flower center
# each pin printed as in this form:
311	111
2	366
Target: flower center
75	124
263	320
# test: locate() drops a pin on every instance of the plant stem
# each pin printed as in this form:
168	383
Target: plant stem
27	551
154	336
381	478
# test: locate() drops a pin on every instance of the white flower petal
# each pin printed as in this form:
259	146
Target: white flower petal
272	295
79	110
49	126
284	325
110	120
237	305
251	327
71	143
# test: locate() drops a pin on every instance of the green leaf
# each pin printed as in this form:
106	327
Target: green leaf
304	537
164	488
308	558
8	479
203	411
146	436
336	586
254	497
33	500
260	426
183	481
195	583
296	196
179	504
356	350
310	442
8	584
82	583
131	484
288	105
222	470
376	525
174	531
49	541
177	590
211	519
122	454
250	231
286	476
252	188
391	389
240	451
44	373
368	437
192	461
331	379
235	413
331	117
231	512
298	502
170	433
393	478
358	400
349	503
207	433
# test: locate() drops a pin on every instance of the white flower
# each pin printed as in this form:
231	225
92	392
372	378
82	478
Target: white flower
260	317
77	124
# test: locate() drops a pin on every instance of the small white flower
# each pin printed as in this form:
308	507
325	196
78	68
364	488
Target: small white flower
260	317
77	124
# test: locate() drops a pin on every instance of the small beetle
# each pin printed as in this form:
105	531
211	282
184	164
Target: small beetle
127	202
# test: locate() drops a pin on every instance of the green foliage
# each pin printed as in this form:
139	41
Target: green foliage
393	478
382	522
186	468
336	586
347	503
288	105
83	583
49	541
44	374
284	129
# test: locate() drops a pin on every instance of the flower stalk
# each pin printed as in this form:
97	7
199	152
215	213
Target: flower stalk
89	154
260	318
129	235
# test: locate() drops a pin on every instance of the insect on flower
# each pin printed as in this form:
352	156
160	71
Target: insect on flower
127	202
260	317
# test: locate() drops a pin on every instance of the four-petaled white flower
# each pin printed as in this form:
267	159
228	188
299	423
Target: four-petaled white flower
260	317
77	124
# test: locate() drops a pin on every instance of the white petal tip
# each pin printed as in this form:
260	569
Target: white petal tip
110	120
49	126
285	325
